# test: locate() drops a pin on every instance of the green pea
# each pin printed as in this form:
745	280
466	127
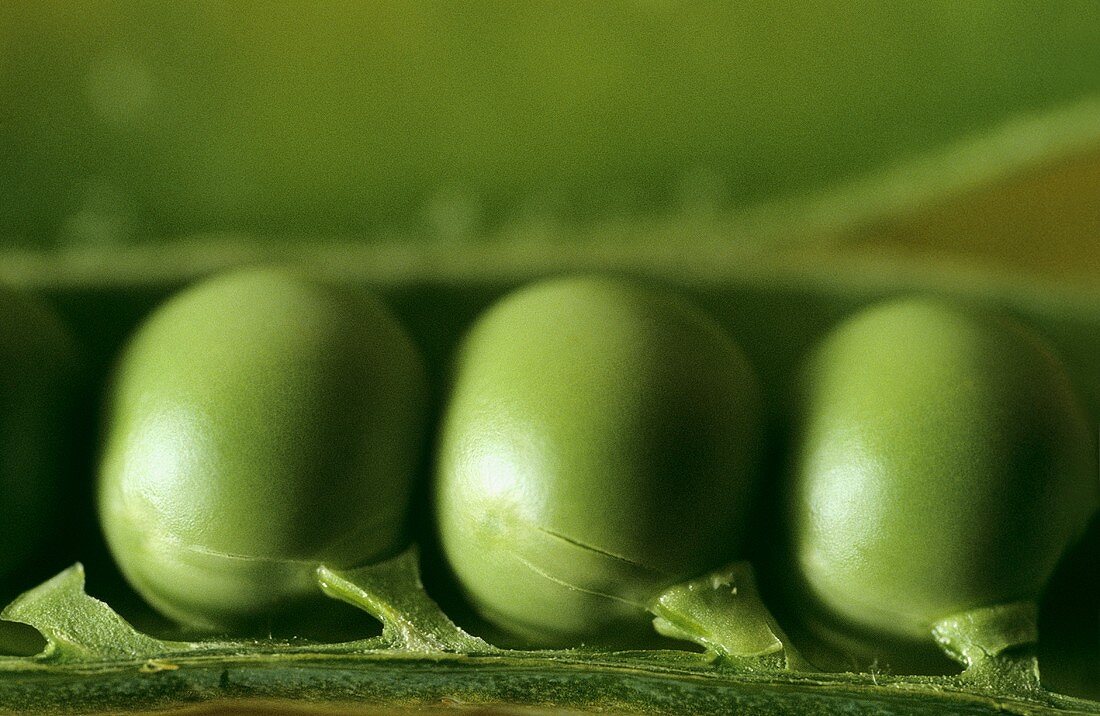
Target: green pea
260	423
942	463
600	441
37	384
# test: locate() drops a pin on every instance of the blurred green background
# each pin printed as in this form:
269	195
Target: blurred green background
125	122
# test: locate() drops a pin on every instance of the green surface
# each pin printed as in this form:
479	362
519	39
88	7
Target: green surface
126	121
600	441
422	660
258	424
781	168
941	461
438	294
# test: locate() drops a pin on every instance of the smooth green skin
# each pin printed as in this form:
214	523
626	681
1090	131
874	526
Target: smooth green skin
600	442
37	390
942	462
260	423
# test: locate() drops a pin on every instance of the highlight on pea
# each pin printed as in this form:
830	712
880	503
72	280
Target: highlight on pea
260	423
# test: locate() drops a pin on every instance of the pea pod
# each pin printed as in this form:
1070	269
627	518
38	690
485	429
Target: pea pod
501	113
422	658
781	168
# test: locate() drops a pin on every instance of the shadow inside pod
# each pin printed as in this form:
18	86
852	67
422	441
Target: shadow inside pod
324	621
1069	621
20	640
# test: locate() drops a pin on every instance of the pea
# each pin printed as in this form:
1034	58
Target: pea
942	462
600	441
260	423
37	384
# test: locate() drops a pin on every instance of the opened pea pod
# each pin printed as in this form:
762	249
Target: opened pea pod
597	460
601	442
261	423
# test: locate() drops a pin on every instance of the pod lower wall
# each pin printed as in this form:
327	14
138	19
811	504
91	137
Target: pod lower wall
96	662
364	684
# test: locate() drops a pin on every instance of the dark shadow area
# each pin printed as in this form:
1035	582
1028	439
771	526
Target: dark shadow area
99	320
323	620
1069	621
20	640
